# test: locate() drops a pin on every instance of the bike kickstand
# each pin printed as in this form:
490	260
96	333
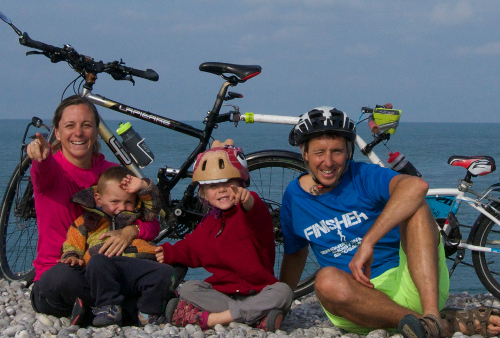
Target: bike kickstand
458	259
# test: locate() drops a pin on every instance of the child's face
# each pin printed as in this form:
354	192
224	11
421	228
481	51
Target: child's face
114	199
220	195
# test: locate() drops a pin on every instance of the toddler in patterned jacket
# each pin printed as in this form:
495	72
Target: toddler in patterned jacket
118	199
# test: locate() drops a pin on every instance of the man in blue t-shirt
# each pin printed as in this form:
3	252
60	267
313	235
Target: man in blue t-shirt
382	263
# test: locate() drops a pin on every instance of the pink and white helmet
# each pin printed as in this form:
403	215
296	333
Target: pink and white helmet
220	164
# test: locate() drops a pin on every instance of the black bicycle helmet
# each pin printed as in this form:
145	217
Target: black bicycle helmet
320	120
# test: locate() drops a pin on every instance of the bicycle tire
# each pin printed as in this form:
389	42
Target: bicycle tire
270	173
18	228
487	264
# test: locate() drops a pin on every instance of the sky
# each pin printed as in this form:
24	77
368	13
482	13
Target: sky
437	61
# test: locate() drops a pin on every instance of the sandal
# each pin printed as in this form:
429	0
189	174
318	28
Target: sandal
426	327
468	318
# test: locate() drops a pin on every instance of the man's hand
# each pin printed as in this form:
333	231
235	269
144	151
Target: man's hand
132	184
118	240
159	254
361	265
38	150
72	260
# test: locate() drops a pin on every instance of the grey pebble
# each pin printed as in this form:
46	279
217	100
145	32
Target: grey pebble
149	328
378	334
172	330
11	331
84	333
65	321
233	325
65	332
45	320
198	334
58	323
183	334
219	328
190	329
10	311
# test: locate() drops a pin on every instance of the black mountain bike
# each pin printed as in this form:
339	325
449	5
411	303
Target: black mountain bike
270	170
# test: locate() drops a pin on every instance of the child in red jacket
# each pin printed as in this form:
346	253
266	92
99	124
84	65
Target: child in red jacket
234	242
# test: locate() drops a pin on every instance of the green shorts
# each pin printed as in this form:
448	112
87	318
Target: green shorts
398	285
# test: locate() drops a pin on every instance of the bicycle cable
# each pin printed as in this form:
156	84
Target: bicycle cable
69	84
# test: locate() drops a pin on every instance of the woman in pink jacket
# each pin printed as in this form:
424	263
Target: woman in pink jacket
58	171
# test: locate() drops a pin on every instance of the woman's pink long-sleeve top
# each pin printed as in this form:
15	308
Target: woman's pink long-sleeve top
55	180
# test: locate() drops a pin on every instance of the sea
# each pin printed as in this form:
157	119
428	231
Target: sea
426	145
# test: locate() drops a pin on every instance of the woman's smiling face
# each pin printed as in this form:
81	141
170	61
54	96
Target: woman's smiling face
77	131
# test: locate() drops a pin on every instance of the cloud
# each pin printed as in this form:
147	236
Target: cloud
453	13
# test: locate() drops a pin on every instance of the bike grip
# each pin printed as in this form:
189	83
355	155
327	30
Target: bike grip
25	40
147	74
374	128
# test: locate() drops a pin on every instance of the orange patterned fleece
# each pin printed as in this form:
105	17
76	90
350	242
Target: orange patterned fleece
83	241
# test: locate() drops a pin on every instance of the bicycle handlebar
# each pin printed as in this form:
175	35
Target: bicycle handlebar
25	40
147	74
84	64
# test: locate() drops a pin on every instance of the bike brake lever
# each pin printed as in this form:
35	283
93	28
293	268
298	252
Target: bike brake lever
54	58
34	52
121	77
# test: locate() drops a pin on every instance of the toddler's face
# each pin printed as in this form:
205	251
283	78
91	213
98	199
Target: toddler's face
220	195
114	199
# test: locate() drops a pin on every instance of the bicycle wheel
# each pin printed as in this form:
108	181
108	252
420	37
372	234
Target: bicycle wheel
270	173
487	264
18	229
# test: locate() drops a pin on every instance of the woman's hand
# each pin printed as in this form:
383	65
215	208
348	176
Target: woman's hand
38	149
118	240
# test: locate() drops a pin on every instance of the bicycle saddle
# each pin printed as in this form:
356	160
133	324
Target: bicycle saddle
476	165
244	72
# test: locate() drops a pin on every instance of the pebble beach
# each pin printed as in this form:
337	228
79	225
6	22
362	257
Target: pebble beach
306	319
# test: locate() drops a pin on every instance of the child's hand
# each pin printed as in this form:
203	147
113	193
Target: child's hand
242	195
132	184
72	260
159	254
